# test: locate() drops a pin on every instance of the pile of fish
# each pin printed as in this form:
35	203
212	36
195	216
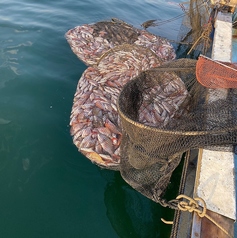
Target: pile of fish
161	102
94	121
90	41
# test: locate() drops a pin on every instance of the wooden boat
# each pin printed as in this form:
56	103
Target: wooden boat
216	185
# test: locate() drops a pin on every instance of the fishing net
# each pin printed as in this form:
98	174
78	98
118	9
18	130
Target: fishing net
90	41
95	125
214	74
151	146
197	27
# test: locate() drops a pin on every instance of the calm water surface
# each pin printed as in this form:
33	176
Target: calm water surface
47	188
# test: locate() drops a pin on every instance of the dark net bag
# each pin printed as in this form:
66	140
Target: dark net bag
90	41
197	118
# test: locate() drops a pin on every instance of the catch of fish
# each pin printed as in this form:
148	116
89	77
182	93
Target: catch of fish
115	57
90	41
94	121
161	102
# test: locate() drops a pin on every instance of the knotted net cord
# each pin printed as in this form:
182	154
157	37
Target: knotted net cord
186	203
205	37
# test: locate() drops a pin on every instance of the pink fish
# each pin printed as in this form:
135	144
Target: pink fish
106	143
112	127
104	131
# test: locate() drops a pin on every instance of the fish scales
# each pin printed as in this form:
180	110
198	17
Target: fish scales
103	80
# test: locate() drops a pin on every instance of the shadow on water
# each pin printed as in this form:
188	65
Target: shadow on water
133	215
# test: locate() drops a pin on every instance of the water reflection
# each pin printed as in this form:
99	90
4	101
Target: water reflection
11	52
130	213
21	157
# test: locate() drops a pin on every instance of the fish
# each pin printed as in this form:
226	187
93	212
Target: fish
116	20
95	125
86	142
106	143
112	127
106	157
86	131
94	157
104	131
90	47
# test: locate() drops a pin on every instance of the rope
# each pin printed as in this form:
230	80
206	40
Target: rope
205	36
181	15
167	222
191	205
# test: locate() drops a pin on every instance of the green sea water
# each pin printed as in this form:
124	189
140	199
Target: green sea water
47	188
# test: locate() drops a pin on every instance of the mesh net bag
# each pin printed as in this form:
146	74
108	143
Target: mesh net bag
151	147
90	41
94	121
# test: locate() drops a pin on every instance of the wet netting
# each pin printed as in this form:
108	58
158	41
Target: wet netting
216	74
164	112
196	31
90	41
137	110
115	52
94	121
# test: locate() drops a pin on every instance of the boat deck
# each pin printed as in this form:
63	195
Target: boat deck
215	184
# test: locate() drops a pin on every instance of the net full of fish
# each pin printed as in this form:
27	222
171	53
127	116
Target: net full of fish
162	102
148	106
90	41
94	121
118	52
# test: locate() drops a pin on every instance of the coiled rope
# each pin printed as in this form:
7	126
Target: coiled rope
192	205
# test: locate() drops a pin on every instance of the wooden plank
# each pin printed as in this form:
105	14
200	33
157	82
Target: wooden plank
196	228
183	220
209	178
231	3
210	230
204	228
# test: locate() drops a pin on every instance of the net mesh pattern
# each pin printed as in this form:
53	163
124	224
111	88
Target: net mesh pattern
150	153
214	74
90	41
94	118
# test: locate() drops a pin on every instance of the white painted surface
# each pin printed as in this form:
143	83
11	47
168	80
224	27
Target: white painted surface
216	182
222	42
216	179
